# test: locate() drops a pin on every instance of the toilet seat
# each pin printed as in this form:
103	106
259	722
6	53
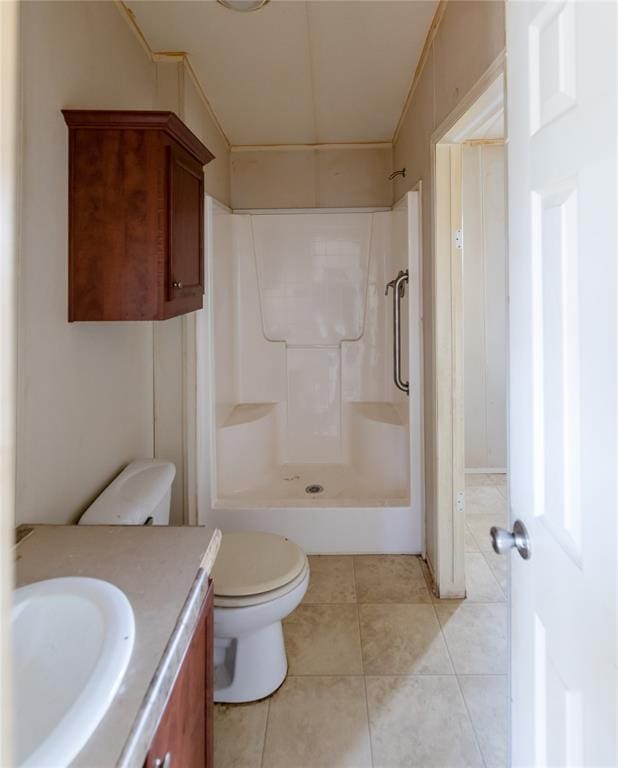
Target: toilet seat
259	580
253	565
264	597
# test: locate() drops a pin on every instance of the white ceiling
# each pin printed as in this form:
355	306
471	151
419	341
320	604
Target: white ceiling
297	72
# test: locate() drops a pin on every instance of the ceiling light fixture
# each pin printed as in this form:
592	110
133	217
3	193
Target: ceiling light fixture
243	5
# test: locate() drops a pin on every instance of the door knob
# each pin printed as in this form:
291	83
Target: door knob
165	763
503	541
177	284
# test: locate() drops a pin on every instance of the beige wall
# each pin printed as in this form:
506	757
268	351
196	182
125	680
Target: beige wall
468	40
311	178
9	142
176	90
85	390
199	120
484	275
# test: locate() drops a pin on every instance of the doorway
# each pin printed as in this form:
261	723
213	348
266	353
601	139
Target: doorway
471	352
470	341
484	251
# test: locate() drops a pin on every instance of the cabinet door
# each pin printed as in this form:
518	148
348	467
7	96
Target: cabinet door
185	272
184	736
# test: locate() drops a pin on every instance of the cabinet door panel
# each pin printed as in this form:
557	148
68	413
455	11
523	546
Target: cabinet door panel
185	729
136	215
186	266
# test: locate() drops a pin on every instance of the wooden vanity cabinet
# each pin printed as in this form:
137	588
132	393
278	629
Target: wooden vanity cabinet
136	215
184	735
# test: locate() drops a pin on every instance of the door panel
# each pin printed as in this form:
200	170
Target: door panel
186	225
562	380
185	732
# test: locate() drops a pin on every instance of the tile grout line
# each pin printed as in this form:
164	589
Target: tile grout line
265	732
360	636
471	721
401	674
442	634
463	698
506	597
493	576
505	592
488	562
456	676
358	605
481	552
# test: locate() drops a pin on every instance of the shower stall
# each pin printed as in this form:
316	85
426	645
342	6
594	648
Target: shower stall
310	382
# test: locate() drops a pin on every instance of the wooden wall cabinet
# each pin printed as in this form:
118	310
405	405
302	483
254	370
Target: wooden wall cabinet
184	736
136	215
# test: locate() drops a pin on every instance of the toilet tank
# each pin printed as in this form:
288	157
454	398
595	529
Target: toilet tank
140	494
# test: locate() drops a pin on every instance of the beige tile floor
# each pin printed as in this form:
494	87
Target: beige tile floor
381	673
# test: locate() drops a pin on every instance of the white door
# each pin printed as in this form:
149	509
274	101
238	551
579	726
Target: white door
562	442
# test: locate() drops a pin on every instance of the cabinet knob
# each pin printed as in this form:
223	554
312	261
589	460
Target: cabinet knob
165	763
177	284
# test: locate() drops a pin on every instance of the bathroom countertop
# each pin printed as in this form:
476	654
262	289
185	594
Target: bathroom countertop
163	571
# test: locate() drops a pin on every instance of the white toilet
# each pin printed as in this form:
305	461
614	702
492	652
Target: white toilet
259	579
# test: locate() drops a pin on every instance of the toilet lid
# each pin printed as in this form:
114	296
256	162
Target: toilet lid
251	563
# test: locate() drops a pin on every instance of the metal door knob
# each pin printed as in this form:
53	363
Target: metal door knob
177	284
165	763
503	541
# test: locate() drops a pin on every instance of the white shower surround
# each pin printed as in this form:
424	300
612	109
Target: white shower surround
300	340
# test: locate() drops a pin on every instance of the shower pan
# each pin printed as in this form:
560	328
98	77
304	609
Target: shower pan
312	433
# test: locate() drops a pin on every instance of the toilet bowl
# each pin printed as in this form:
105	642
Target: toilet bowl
259	579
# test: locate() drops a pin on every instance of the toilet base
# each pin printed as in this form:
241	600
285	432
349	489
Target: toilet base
250	667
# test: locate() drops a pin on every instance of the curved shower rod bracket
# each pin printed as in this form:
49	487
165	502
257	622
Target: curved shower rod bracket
394	174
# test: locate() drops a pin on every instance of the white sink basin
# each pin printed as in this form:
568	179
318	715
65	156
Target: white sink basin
72	641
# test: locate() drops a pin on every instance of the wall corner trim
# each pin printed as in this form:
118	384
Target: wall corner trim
129	17
431	34
304	147
171	57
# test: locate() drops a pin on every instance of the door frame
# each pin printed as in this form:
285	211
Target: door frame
9	239
416	403
480	105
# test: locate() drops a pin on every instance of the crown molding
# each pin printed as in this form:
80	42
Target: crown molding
162	120
484	142
202	93
315	146
128	15
431	34
183	57
171	57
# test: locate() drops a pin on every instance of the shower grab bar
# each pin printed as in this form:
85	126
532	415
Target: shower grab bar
399	291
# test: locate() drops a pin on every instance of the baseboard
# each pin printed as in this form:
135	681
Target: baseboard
486	471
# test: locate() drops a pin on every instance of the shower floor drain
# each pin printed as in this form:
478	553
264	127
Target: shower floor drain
314	489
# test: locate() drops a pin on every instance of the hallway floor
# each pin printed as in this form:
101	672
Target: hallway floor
381	673
485	506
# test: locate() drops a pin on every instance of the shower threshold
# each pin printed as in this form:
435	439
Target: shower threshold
311	485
